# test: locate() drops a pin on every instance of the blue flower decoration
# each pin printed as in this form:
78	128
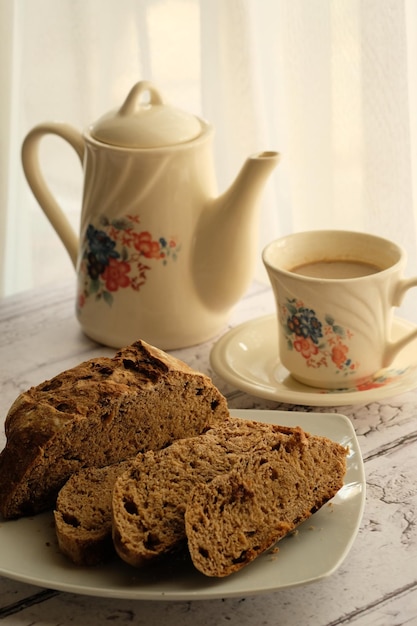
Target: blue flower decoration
305	324
101	246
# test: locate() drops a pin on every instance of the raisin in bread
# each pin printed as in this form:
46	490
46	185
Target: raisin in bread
237	516
101	412
83	514
150	499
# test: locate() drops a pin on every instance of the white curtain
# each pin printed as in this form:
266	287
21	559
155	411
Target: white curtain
331	84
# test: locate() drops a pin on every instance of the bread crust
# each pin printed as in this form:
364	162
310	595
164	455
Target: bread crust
100	412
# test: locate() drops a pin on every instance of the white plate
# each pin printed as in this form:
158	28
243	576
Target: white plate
247	357
29	551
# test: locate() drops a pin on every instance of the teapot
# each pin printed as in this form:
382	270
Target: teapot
159	256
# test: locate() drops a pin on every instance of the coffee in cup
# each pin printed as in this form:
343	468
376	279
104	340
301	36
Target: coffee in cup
335	293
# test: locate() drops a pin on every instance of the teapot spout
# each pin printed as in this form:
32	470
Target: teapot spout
227	235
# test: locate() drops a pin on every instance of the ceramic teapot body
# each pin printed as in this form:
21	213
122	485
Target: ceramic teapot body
136	244
148	260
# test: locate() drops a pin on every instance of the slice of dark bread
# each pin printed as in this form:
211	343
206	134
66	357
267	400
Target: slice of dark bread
83	514
83	509
98	413
237	516
150	499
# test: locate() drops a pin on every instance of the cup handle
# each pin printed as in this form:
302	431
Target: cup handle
34	176
396	346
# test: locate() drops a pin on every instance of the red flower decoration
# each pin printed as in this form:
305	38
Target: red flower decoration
81	300
115	274
146	246
339	354
306	347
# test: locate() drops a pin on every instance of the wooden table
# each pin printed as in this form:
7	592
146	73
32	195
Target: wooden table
375	585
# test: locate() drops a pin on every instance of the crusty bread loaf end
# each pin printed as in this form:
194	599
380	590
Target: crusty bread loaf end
100	412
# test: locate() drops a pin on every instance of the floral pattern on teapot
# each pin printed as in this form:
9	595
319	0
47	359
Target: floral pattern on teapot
320	343
119	255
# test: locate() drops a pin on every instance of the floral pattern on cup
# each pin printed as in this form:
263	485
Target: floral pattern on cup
119	255
322	343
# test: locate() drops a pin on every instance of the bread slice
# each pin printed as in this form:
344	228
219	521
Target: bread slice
83	518
150	499
237	516
83	514
101	412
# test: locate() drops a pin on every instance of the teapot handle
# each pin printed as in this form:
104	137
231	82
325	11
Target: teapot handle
32	170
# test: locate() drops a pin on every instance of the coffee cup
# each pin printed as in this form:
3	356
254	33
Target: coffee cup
335	294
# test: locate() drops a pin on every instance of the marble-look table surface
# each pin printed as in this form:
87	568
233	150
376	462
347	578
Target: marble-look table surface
376	585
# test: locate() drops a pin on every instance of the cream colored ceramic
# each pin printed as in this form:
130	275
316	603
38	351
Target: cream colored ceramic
337	333
160	257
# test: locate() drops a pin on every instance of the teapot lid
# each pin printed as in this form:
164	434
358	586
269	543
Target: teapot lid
147	123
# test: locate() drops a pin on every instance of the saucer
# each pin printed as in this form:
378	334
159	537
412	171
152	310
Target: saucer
247	358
